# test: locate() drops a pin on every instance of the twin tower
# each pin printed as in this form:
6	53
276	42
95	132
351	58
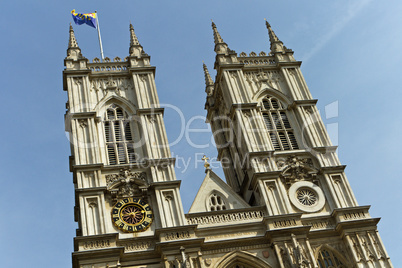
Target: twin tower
287	202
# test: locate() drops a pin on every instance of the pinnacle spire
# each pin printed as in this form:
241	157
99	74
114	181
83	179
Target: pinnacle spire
276	44
73	50
208	79
72	42
220	46
217	37
209	83
135	46
133	37
271	33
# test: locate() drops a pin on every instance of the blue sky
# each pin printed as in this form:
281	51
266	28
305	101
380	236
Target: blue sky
351	62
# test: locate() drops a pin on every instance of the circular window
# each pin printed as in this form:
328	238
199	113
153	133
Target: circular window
306	196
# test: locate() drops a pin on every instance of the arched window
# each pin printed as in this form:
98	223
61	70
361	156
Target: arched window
238	259
216	202
118	135
327	259
280	131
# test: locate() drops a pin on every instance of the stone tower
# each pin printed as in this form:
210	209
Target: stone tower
287	202
125	184
276	153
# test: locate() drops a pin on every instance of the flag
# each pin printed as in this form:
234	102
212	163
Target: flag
88	18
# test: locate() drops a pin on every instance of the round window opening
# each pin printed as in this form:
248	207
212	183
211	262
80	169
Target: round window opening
306	196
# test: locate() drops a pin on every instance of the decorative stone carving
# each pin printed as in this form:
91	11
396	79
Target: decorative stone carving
299	254
376	245
95	244
111	84
366	248
143	77
308	110
294	169
177	235
227	217
83	123
292	72
317	225
137	246
152	119
77	80
354	215
127	184
357	249
285	257
285	223
340	247
117	84
175	263
247	113
261	61
263	80
230	236
125	84
236	246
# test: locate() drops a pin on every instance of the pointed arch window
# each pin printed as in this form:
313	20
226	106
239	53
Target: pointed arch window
118	136
327	259
280	131
216	202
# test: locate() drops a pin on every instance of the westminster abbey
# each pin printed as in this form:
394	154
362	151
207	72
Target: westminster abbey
285	200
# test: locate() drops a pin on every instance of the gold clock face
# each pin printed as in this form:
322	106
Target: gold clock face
132	215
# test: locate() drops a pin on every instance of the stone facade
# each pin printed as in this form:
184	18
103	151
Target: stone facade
286	203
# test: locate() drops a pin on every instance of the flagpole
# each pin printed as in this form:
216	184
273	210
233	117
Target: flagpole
99	35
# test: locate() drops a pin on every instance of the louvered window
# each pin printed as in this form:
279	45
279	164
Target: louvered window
278	125
118	136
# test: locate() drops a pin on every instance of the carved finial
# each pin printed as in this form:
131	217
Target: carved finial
217	37
206	164
72	42
209	83
135	47
276	44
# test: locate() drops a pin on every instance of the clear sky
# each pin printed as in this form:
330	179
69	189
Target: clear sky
351	61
